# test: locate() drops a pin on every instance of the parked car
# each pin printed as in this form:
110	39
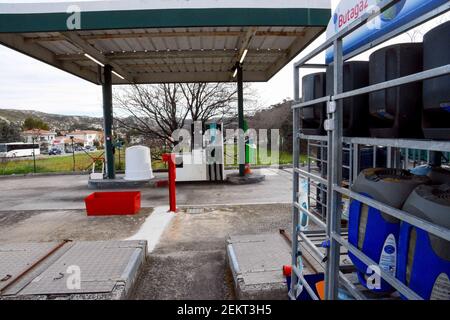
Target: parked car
54	152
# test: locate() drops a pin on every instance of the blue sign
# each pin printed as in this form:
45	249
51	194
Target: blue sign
398	15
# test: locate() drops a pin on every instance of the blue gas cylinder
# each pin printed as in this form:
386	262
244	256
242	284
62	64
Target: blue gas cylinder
373	232
424	259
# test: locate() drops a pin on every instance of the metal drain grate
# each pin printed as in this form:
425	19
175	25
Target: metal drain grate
195	210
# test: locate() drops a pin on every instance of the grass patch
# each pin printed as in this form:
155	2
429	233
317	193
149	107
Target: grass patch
60	164
262	157
64	163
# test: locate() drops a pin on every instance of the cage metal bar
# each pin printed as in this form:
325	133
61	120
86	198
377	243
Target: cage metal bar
311	102
335	150
323	172
431	145
317	213
350	166
305	284
296	163
315	197
317	201
307	175
317	185
315	66
319	222
355	161
424	75
312	246
432	228
402	288
347	284
358	295
309	170
313	138
317	159
317	145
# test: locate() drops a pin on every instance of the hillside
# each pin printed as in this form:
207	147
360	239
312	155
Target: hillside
55	121
276	117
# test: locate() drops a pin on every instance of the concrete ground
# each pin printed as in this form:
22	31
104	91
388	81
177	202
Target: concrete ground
68	192
189	262
59	225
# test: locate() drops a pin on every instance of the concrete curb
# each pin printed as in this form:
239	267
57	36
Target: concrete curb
80	173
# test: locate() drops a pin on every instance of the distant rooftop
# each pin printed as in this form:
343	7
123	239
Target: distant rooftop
38	132
84	132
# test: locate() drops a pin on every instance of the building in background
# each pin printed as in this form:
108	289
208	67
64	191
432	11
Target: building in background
42	137
65	144
90	138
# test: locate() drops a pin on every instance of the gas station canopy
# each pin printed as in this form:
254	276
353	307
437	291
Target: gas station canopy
163	41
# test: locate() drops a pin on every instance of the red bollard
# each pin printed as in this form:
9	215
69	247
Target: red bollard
170	159
287	271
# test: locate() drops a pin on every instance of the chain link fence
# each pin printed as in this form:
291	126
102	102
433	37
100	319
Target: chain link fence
80	161
84	162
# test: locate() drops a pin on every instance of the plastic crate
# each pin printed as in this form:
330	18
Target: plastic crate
113	203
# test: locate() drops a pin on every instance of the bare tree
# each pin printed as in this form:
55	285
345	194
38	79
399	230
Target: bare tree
156	111
206	101
152	111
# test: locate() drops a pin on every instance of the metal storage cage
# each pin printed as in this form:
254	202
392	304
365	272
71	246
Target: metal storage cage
324	169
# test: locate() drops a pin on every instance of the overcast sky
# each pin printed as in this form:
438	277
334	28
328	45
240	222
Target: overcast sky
29	84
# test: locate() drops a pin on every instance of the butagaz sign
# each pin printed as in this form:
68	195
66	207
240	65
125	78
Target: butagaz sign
348	11
341	19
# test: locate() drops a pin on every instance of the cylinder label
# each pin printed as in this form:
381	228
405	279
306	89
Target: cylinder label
441	289
388	259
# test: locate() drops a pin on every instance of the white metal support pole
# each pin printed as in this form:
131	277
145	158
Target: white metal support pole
308	155
335	167
355	161
328	279
296	160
